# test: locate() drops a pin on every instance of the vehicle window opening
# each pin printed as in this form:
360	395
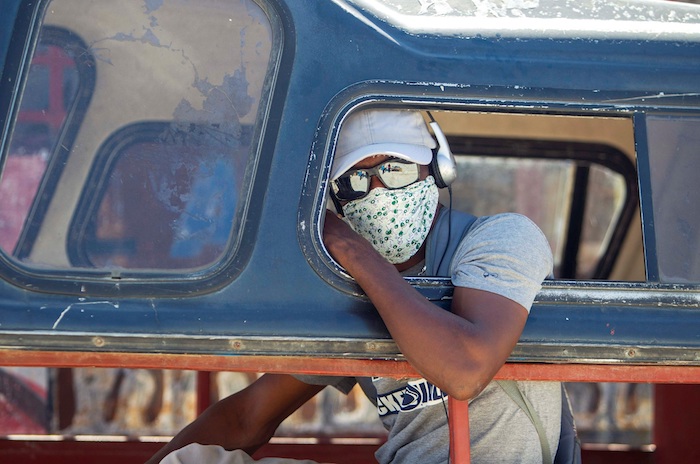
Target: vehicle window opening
578	187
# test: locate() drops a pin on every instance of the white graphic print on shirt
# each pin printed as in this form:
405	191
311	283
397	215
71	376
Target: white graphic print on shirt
416	395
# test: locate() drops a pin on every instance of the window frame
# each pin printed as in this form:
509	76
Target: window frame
97	185
395	94
73	281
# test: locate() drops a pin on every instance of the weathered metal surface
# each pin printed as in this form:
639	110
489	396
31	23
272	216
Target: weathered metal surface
570	322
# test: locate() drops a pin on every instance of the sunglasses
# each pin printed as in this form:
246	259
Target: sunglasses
394	174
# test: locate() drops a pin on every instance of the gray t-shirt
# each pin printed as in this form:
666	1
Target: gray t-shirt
508	255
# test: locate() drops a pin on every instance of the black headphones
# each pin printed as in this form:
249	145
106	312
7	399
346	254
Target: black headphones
443	167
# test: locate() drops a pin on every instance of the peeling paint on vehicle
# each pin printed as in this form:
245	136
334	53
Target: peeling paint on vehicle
646	19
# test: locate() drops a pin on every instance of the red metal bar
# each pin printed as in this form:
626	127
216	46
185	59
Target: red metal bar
676	423
324	366
104	451
203	391
601	373
459	431
674	374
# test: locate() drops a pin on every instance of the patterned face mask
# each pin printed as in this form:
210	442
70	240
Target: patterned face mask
396	222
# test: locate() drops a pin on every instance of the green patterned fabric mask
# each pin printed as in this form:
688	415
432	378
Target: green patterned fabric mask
395	221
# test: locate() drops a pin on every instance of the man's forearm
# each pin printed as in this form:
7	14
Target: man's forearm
212	428
247	419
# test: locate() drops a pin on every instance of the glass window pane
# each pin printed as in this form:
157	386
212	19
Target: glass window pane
38	82
41	115
169	199
675	163
607	192
153	157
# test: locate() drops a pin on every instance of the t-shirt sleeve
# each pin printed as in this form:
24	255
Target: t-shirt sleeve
506	254
342	384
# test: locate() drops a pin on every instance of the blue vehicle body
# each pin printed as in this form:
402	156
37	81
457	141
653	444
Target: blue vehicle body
276	292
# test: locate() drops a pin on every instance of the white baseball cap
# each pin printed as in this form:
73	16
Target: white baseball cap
397	133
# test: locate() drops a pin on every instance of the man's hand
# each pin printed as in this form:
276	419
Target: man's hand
354	252
338	236
245	420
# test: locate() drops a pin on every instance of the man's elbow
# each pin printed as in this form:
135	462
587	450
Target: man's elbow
464	391
468	381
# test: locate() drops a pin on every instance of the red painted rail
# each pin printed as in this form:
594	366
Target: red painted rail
458	410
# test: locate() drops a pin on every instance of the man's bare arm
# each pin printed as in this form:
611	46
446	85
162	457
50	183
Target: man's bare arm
245	420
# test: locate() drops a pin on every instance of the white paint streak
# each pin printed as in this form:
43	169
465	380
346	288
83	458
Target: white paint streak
359	16
654	97
71	306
